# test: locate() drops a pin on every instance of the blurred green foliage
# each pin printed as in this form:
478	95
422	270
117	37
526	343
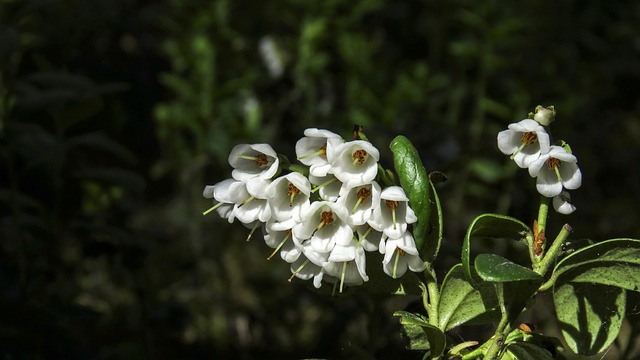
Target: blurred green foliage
114	114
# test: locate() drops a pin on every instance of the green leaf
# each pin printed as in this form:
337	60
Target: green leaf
461	303
416	184
495	268
436	341
491	226
590	315
613	262
526	351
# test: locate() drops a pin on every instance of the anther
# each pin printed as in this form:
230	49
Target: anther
359	157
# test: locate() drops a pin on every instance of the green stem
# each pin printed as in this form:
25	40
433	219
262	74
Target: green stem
496	343
554	251
431	304
543	211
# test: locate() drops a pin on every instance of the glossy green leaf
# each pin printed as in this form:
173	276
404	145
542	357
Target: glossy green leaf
462	303
435	337
613	262
495	268
429	251
416	184
590	315
491	226
521	350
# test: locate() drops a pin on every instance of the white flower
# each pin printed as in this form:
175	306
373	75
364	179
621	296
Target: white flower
255	207
309	264
255	160
555	170
368	238
316	150
347	263
288	197
525	141
355	163
281	240
400	254
393	214
325	223
360	202
228	193
561	203
328	187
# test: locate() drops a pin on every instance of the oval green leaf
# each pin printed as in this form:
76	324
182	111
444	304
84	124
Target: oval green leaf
613	262
435	337
491	226
462	303
526	351
419	189
495	268
590	315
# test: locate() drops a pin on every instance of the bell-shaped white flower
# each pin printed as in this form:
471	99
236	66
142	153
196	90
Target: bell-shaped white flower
288	197
355	163
347	263
360	201
400	254
393	214
305	268
555	170
325	223
316	148
561	203
328	187
281	240
368	238
255	207
525	141
309	265
253	160
228	193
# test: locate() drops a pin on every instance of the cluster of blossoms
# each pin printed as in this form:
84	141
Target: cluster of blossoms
554	166
323	218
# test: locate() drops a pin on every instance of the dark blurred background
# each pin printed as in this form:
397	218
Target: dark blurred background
114	115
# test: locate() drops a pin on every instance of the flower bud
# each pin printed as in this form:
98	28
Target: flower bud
544	115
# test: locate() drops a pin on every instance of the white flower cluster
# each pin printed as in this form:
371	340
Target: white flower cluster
554	167
324	223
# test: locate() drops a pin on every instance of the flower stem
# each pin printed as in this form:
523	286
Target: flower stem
554	251
543	211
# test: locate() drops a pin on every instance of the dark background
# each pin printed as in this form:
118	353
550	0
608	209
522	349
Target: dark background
114	115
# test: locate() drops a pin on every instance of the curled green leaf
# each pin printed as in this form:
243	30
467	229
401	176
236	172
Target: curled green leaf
419	189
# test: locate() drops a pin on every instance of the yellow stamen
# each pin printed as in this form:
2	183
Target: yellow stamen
344	271
554	164
527	138
298	269
326	218
399	252
359	157
363	194
244	202
261	160
253	230
333	179
212	208
392	205
292	192
280	244
321	152
364	236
